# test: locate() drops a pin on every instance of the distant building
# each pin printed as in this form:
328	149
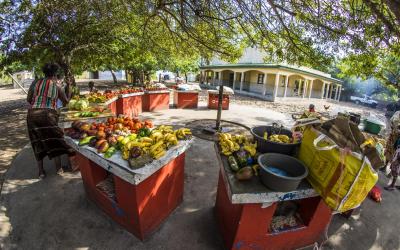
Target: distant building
252	77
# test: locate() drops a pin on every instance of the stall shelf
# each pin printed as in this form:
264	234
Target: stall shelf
144	196
155	100
186	99
245	211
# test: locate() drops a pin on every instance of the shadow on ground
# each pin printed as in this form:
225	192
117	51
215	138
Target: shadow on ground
55	212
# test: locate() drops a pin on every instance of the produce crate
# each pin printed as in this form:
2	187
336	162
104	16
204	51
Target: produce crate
129	105
155	100
213	101
140	208
186	99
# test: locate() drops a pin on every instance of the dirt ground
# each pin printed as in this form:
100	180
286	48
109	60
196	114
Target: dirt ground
12	126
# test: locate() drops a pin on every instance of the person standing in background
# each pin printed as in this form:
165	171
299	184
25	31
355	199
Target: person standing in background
47	138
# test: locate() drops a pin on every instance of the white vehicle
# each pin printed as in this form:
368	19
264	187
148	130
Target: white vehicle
365	100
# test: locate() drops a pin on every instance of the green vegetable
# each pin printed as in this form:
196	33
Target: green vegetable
144	132
110	151
233	164
85	140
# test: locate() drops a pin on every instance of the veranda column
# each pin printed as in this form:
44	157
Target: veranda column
336	92
305	88
241	81
286	85
311	85
234	81
214	77
276	85
265	83
338	99
323	90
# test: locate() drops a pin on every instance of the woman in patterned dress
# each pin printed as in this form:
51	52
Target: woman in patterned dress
47	138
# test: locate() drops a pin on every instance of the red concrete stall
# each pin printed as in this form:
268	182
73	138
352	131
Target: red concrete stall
186	99
112	105
213	100
155	100
144	197
245	211
129	105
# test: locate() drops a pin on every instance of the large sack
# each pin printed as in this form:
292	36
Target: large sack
341	176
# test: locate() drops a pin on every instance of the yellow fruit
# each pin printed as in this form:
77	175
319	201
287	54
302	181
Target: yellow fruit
159	155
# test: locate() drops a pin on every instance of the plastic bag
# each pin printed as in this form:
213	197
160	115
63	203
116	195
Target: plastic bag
342	177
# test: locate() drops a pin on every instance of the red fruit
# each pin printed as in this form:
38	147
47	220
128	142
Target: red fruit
101	135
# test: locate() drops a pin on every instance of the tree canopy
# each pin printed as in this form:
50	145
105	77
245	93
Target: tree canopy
141	35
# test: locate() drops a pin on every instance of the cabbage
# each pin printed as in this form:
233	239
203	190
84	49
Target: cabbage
81	105
71	104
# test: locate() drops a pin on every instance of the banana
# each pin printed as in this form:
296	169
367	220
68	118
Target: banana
159	155
125	154
155	146
146	139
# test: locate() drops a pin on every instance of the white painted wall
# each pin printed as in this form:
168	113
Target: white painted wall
250	55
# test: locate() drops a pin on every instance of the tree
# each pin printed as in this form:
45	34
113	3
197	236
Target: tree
66	32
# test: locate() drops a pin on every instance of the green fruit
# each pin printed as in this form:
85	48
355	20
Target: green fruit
110	151
233	164
85	140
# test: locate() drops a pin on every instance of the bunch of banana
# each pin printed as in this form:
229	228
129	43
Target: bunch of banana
170	139
182	133
280	138
164	129
157	150
228	144
156	135
251	148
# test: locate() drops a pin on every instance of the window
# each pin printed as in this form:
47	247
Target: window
216	75
260	79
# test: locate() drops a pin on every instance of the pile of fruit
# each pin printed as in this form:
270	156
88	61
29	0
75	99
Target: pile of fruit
279	138
154	88
100	97
242	155
138	143
129	90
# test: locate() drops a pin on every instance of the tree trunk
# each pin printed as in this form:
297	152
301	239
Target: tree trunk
113	76
186	77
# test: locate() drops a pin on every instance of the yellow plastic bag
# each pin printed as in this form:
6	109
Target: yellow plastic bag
342	178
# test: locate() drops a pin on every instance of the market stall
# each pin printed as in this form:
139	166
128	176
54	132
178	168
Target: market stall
213	100
137	176
155	99
250	215
186	99
130	104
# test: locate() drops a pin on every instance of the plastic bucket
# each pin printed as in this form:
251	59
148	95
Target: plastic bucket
266	146
294	168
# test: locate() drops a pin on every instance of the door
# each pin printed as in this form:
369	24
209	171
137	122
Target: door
231	76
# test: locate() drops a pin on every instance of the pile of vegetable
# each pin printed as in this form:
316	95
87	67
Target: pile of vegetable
137	141
78	104
280	138
242	155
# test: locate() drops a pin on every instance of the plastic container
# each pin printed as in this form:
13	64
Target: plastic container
294	168
372	126
266	146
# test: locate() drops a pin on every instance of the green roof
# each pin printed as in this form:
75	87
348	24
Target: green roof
272	66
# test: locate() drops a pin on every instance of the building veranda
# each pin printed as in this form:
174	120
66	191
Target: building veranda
271	81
